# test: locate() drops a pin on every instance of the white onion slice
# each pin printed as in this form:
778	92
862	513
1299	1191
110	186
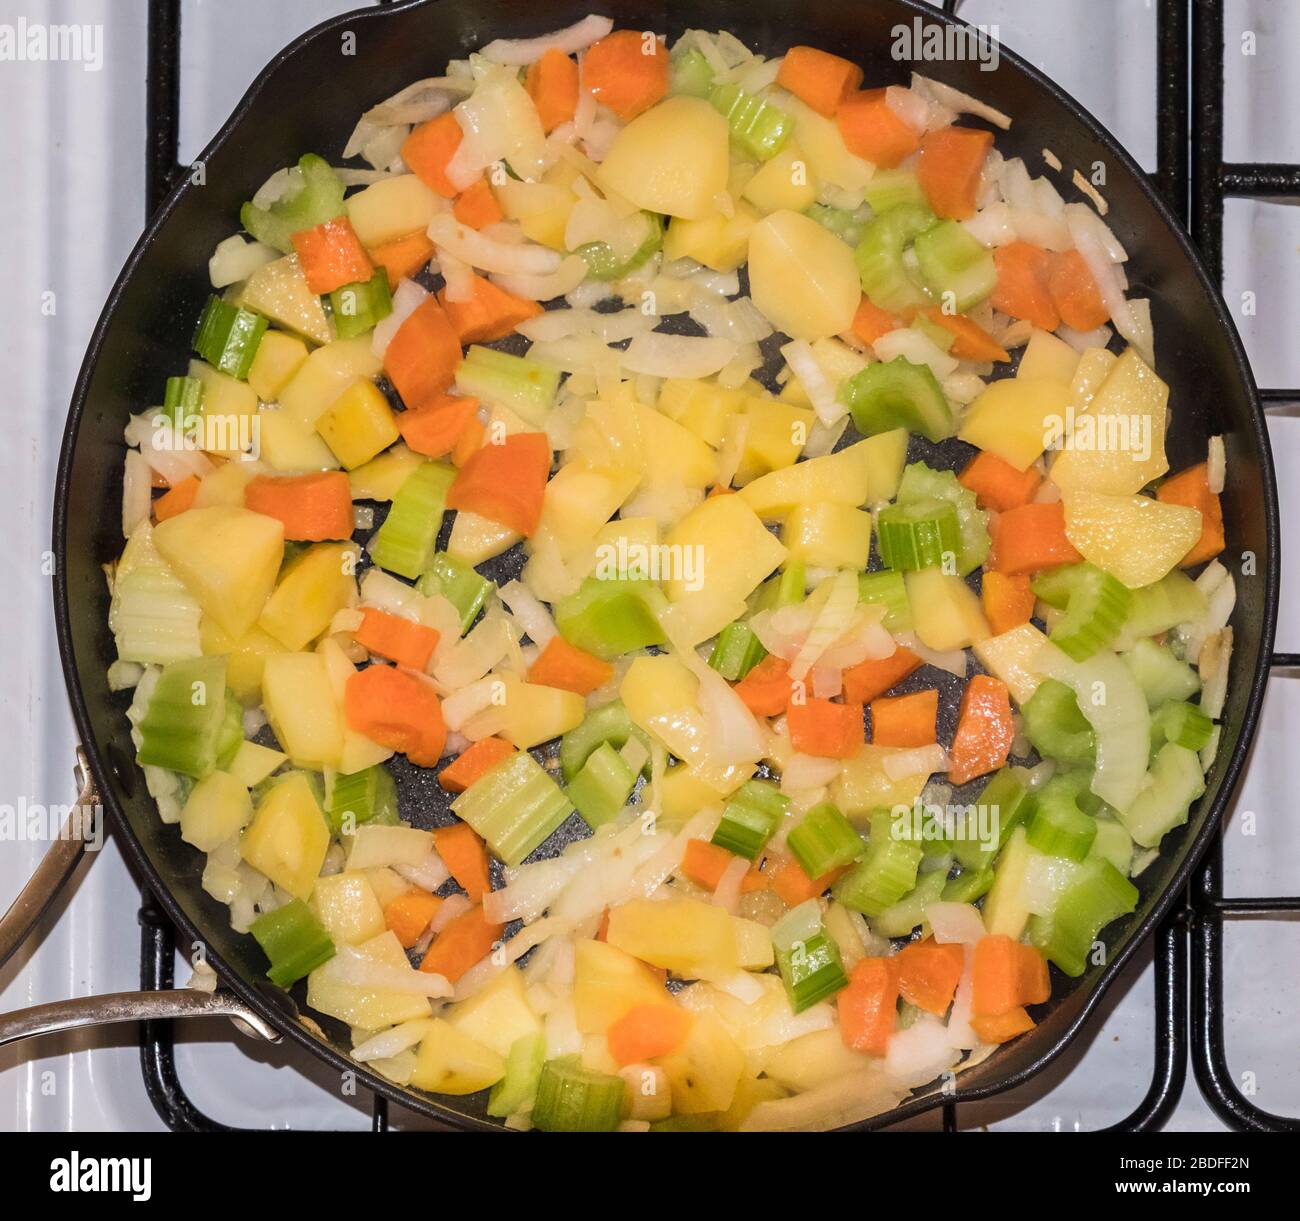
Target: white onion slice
955	923
529	613
799	356
919	760
483	252
546	286
573	38
688	356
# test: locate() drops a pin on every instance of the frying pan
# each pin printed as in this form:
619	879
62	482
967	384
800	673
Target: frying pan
307	99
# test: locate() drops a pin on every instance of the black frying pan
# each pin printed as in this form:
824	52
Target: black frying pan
307	99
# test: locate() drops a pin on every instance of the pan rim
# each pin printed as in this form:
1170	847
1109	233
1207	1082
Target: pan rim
429	1104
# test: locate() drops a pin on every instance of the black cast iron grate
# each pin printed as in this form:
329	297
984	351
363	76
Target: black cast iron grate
1195	180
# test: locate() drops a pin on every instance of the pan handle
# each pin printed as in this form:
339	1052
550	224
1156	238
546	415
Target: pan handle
132	1007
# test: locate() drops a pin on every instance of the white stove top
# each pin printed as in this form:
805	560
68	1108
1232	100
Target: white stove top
73	139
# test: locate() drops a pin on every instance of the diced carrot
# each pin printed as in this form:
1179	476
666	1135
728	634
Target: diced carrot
505	482
429	148
765	690
949	168
626	71
465	941
396	638
468	443
824	728
1031	538
871	322
181	497
403	256
1008	600
792	886
422	356
434	429
313	508
928	974
332	255
997	484
1022	286
562	665
1004	1027
466	858
1007	974
905	720
410	914
1192	488
647	1031
873	130
984	730
704	863
552	83
970	341
491	313
471	764
1075	293
868	1007
477	207
397	710
818	78
868	679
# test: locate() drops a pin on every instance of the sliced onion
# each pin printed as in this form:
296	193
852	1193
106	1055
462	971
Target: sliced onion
498	122
1081	341
389	1043
920	1053
349	965
833	617
917	347
992	226
918	761
482	252
529	613
428	874
137	496
459	276
571	39
546	286
909	106
461	707
961	102
799	356
235	259
800	772
953	660
822	438
419	102
827	682
955	923
734	735
1087	241
689	356
727	892
613	327
1216	465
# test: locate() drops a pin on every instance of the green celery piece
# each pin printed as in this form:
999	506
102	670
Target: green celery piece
957	269
293	940
525	386
571	1098
231	735
736	652
183	401
846	225
785	589
920	481
1182	723
517	1089
917	534
758	128
404	543
369	795
1056	727
460	584
514	806
824	840
1006	803
898	394
185	726
690	74
751	818
879	256
1095	604
1173	783
608	618
1113	843
969	886
1057	825
313	196
603	264
608	723
357	307
885	874
811	970
1172	600
899	919
1160	674
887	587
1098	894
228	336
602	786
892	188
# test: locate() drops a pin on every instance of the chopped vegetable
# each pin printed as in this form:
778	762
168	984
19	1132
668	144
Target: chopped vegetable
514	806
948	169
904	720
873	130
470	765
396	710
293	941
819	79
984	730
626	71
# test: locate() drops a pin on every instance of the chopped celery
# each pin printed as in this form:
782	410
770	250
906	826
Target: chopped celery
293	940
183	402
404	543
312	196
918	534
230	737
1182	723
957	270
185	727
460	584
844	224
879	257
811	970
1173	783
785	589
357	307
1056	727
571	1098
751	818
691	74
758	128
608	723
602	786
1160	674
1006	802
1095	606
923	482
890	188
968	886
523	385
1057	825
1113	843
887	587
1098	894
363	797
517	1089
604	264
899	919
898	394
885	874
824	840
608	618
227	336
736	652
1172	600
514	806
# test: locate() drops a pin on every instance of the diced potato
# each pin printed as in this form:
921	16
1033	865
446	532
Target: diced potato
382	476
499	1014
324	375
533	714
1017	418
375	845
718	241
300	705
863	785
754	945
866	472
682	935
814	1059
363	1006
672	454
837	360
609	434
223	486
475	539
218	807
1010	657
828	535
245	657
451	1062
279	290
579	500
704	1071
288	837
683	793
673	159
1134	538
1047	358
946	611
703	407
290	447
253	763
345	903
229	409
607	982
228	558
542	208
358	752
783	182
279	356
802	277
358	424
775	434
1090	374
316	584
392	208
829	160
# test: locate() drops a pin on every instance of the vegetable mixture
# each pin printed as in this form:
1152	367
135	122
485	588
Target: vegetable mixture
749	569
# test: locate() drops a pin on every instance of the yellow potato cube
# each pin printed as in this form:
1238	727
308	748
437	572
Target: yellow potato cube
392	208
607	982
945	610
705	1070
223	486
1010	656
705	408
229	409
476	539
1047	358
828	535
672	454
863	785
866	472
579	500
775	434
1017	418
382	476
1134	538
363	1006
300	705
345	903
316	584
217	808
358	425
245	657
279	290
279	357
802	277
784	181
542	208
828	157
450	1062
718	241
533	713
290	447
324	375
814	1059
253	763
682	935
499	1014
288	837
